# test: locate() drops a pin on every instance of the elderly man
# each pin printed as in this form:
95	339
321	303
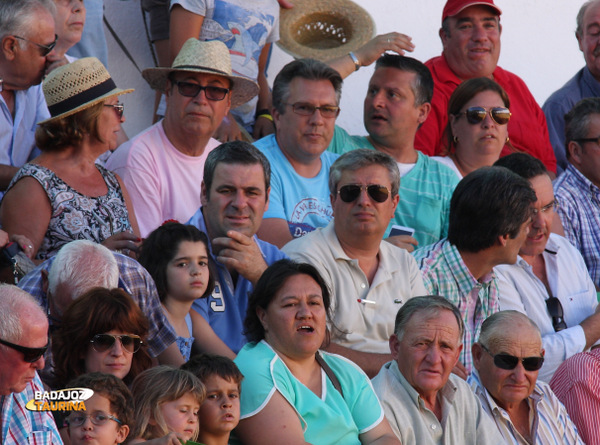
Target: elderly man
490	213
549	282
26	37
398	101
82	265
369	278
162	166
424	403
235	194
578	188
23	341
586	83
507	359
306	95
470	36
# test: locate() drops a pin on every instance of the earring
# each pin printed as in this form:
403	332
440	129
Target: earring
455	139
507	139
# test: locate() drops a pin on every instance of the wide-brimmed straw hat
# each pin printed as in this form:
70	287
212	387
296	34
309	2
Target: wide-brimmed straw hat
210	57
324	29
77	86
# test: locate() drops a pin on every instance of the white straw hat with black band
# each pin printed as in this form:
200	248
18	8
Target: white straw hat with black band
210	57
76	86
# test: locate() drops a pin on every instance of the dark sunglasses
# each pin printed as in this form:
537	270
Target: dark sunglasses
555	310
306	109
44	49
189	89
98	418
30	355
350	192
476	115
119	109
104	342
509	362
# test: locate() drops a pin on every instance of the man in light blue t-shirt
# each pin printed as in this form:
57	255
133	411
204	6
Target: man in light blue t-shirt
398	101
306	95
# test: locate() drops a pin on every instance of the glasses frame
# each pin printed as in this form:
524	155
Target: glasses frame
595	140
90	416
500	361
471	112
556	312
210	96
115	337
325	110
551	206
30	355
119	109
357	190
45	49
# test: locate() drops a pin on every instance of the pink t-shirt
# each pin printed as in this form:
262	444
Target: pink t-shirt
163	183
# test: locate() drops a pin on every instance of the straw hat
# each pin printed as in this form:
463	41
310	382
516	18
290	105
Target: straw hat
211	57
76	86
324	29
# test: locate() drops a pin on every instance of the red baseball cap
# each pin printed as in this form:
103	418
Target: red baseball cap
453	7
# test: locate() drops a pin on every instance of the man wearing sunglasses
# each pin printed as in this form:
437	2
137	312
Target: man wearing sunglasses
549	282
470	35
26	38
369	278
162	166
507	358
23	342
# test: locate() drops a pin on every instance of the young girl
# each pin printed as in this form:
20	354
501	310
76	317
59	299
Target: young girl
166	402
176	255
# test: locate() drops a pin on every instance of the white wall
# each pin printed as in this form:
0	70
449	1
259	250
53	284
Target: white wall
538	44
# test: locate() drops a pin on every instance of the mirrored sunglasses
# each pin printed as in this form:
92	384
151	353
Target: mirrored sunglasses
98	418
350	192
30	355
188	89
476	115
104	342
118	107
510	362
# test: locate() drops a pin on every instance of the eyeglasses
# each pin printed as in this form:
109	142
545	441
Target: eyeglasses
98	418
350	192
119	109
30	355
555	310
44	49
306	109
104	342
595	140
476	115
552	206
509	362
189	89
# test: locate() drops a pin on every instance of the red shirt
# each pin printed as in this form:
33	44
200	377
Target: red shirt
527	127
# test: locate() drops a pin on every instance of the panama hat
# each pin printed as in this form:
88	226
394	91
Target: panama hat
210	57
324	29
76	86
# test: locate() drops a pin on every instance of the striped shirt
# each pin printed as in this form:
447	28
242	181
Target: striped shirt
446	274
548	419
577	384
579	211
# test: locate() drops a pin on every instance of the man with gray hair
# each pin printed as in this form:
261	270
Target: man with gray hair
423	401
306	97
23	342
507	358
368	277
26	38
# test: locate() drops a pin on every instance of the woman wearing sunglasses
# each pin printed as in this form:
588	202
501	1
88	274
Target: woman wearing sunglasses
477	130
101	331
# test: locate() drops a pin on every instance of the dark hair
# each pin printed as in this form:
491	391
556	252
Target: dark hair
235	152
161	247
433	304
488	203
523	164
97	311
272	281
577	120
111	387
204	366
422	85
309	69
463	94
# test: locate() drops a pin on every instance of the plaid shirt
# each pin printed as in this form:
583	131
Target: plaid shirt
133	279
446	274
579	211
20	426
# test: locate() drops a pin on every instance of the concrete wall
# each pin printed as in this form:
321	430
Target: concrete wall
538	44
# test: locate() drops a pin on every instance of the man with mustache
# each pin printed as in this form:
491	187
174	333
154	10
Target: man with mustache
470	35
549	282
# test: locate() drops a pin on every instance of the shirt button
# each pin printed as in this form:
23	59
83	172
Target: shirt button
363	285
433	427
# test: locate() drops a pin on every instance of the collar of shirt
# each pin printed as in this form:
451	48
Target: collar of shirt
464	278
